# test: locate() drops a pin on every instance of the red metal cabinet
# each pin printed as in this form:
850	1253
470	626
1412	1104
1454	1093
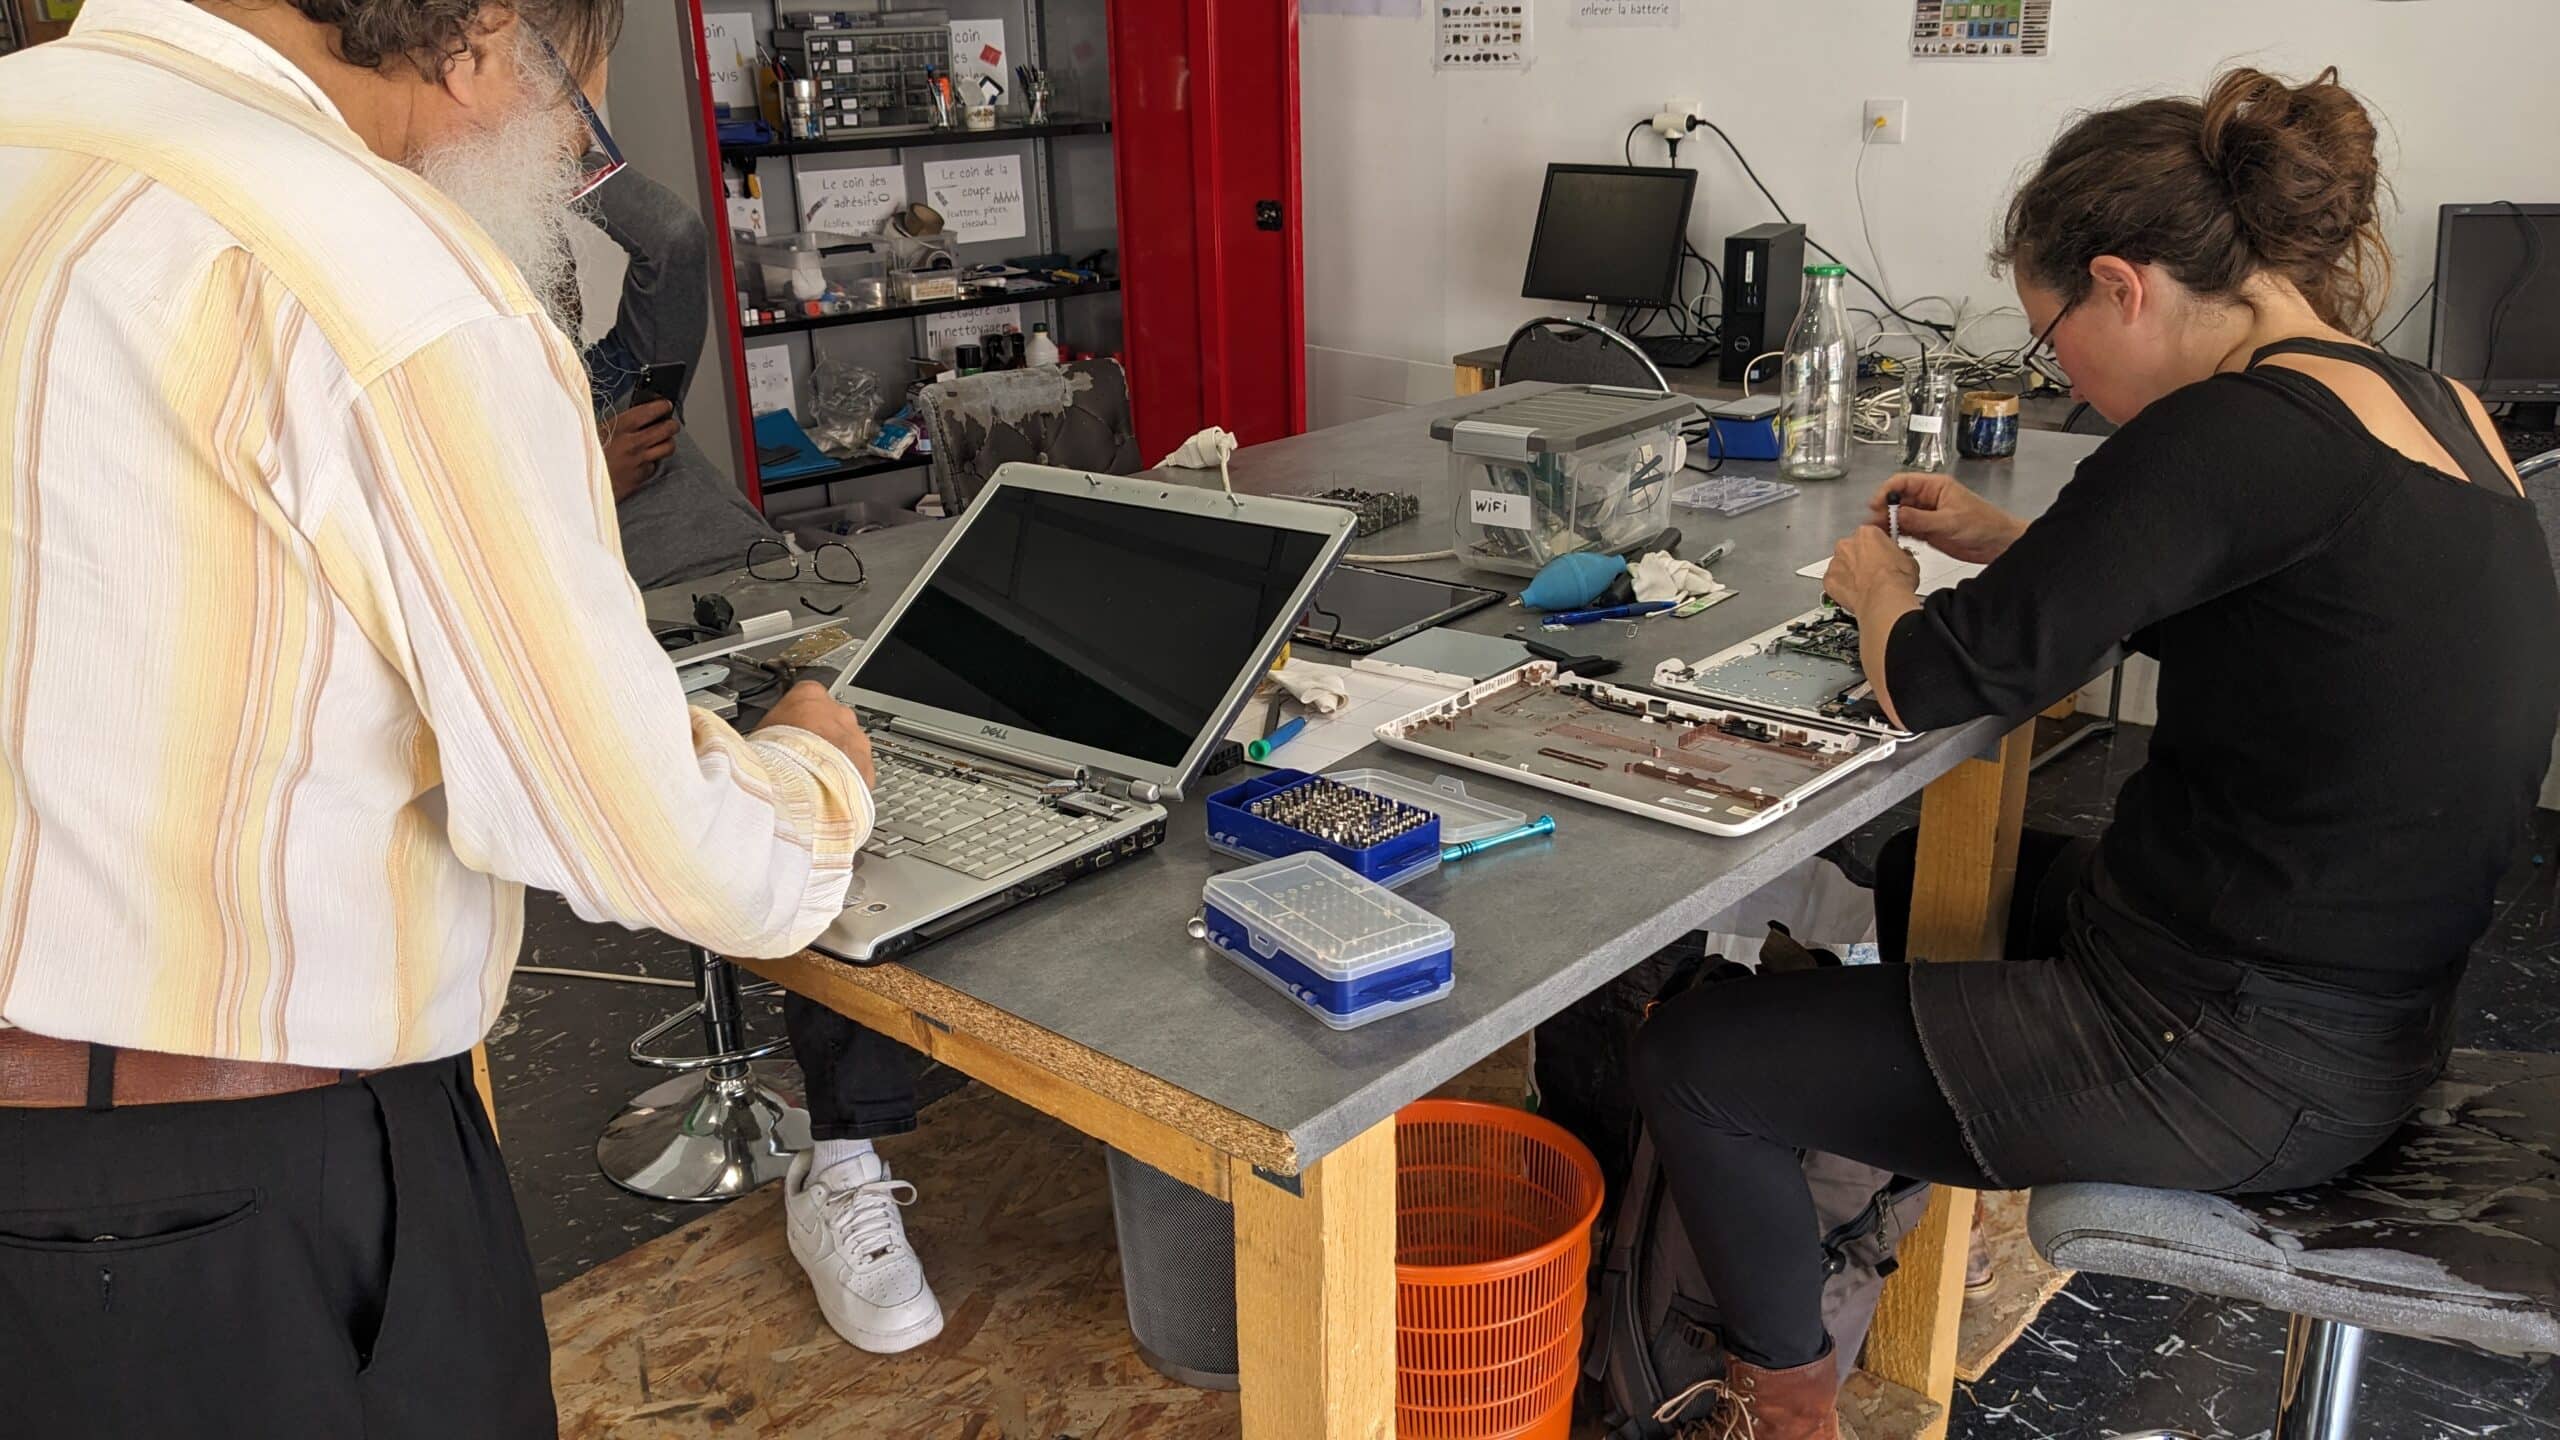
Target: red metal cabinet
1204	97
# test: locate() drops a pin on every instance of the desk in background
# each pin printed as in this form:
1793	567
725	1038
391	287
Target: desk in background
1481	370
1093	1006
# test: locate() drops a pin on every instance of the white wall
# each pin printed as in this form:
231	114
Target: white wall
1420	187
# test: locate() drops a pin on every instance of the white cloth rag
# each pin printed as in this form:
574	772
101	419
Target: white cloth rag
1208	450
1665	576
1320	688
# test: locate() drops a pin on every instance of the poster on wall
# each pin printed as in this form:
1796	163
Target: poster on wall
1481	34
729	51
851	201
1627	14
1390	9
980	199
977	48
1980	29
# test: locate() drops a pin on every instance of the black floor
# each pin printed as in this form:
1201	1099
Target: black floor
2106	1356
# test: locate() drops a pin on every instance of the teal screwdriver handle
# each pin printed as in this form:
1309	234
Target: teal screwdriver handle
1543	825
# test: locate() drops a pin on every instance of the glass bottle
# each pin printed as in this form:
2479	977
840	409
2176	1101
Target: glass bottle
1821	378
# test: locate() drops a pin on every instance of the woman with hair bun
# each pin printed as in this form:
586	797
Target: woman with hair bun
2247	981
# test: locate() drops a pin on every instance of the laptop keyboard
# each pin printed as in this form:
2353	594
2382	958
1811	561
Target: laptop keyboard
978	829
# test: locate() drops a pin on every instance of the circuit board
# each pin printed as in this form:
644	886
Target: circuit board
1809	667
1723	771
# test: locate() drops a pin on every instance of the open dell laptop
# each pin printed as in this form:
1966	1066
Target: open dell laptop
1065	661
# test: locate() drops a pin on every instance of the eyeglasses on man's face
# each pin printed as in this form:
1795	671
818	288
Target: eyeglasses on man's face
602	159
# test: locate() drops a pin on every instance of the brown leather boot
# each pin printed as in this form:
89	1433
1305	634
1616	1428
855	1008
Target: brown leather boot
1755	1404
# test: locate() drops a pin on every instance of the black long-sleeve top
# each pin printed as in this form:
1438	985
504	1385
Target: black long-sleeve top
2359	674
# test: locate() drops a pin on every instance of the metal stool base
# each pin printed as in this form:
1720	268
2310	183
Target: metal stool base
705	1137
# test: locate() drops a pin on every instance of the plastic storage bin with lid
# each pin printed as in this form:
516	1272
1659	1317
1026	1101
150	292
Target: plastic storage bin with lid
1346	949
1584	467
808	264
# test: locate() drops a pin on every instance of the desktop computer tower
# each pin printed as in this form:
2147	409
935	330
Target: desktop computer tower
1763	284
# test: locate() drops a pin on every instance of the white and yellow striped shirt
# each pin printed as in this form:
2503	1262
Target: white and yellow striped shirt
315	640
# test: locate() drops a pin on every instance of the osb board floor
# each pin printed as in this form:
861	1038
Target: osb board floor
711	1330
2024	1282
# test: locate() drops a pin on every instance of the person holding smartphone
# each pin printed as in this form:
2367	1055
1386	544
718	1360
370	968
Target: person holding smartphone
680	518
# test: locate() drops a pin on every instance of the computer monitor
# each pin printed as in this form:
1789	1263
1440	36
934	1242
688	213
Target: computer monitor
2497	321
1610	235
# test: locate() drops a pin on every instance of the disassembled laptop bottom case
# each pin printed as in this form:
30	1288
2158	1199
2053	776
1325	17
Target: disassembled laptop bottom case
1703	767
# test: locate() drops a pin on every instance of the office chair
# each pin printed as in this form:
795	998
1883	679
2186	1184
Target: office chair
1578	352
1075	416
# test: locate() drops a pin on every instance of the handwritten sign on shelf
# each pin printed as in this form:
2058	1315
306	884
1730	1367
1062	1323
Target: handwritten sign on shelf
945	334
769	379
980	199
851	201
977	48
729	51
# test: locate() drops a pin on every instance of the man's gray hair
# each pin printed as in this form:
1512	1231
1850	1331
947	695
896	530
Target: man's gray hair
429	35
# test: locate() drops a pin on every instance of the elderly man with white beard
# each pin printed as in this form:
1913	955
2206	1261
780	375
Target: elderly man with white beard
316	648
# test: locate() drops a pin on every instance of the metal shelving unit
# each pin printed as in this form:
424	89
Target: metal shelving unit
910	137
931	307
1045	232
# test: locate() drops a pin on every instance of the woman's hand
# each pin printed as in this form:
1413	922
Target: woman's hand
1878	582
1955	520
635	440
1870	576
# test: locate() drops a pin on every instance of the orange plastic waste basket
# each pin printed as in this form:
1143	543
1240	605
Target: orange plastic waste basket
1494	1209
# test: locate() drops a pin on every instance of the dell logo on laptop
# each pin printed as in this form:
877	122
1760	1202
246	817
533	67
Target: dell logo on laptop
995	732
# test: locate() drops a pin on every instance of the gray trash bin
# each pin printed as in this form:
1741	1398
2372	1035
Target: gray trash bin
1178	1270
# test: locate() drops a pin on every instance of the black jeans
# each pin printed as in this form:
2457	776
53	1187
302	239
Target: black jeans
862	1084
337	1262
2073	1071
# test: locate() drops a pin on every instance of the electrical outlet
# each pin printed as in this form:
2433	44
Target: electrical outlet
1895	116
1674	119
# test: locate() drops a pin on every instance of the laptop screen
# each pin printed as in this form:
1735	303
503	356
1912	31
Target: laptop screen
1118	627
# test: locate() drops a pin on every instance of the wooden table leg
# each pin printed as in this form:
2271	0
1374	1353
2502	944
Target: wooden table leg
1316	1295
1967	870
480	1082
1475	379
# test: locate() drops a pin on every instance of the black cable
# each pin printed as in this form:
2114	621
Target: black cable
2405	314
1630	145
1765	194
2524	277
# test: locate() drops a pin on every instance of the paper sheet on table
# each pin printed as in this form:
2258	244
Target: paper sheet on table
1330	739
1938	570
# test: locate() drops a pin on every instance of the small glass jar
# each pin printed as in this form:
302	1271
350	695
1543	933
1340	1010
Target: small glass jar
1990	427
1928	434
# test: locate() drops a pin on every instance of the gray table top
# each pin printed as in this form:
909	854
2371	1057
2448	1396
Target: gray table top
1106	963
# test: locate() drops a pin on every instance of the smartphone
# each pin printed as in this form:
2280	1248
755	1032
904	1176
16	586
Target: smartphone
661	382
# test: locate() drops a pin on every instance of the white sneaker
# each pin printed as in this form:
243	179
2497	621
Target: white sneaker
846	1232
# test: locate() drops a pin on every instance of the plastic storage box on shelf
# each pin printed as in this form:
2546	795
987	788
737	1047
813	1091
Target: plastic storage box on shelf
811	265
1235	829
1348	950
1584	467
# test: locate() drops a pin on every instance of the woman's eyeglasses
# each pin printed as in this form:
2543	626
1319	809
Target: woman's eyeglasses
832	563
2038	354
602	159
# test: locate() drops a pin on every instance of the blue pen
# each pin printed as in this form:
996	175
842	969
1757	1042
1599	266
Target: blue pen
1636	611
